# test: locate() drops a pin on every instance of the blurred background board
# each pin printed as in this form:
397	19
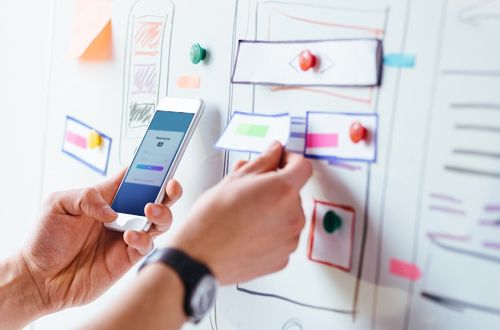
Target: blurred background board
424	232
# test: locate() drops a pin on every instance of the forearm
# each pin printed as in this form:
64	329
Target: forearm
20	301
153	302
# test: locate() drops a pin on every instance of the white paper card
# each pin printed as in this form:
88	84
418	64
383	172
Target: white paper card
254	133
353	62
328	136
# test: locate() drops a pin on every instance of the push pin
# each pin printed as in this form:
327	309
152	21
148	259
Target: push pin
357	132
307	60
332	222
94	140
197	53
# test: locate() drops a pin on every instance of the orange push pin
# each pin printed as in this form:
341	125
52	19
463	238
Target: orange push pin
307	60
357	132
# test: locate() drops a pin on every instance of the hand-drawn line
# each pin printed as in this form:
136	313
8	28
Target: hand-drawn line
492	245
458	305
492	208
475	105
477	153
375	31
482	128
148	35
471	171
486	222
444	209
434	236
368	100
345	166
467	16
445	197
270	295
475	254
483	73
292	324
298	135
140	114
144	79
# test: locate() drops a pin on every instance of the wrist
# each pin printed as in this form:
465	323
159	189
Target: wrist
20	299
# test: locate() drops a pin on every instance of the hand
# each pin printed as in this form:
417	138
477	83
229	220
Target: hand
248	224
72	259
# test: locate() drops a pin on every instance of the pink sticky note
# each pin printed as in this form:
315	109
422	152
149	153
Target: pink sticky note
404	269
320	140
76	140
91	34
192	82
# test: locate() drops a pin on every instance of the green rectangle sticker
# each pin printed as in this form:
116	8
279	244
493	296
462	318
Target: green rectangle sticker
253	130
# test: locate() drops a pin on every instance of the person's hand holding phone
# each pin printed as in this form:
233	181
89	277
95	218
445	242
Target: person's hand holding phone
72	259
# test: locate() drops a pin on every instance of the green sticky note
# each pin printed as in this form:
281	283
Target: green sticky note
253	130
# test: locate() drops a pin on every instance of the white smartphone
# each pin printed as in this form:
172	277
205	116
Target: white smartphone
155	161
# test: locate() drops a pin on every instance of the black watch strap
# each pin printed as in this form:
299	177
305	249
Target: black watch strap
189	270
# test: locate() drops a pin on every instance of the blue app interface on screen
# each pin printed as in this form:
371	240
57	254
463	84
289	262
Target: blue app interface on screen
152	162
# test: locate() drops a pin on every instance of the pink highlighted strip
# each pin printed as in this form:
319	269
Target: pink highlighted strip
319	140
404	269
76	139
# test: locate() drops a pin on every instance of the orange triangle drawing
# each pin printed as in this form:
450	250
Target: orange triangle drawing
91	38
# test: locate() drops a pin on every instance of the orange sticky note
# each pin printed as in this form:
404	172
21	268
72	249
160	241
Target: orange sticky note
91	34
188	82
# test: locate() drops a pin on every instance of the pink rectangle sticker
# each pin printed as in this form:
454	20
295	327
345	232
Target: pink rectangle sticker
321	140
404	269
76	140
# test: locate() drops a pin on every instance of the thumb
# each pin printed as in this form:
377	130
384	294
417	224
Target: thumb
87	202
268	161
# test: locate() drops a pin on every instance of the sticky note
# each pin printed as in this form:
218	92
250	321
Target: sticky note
404	269
399	60
254	132
346	62
188	82
91	33
329	136
80	143
331	235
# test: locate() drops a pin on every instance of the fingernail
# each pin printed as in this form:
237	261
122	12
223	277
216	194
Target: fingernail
133	237
108	210
156	211
275	145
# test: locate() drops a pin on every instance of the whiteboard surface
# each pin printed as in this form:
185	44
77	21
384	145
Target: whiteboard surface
426	208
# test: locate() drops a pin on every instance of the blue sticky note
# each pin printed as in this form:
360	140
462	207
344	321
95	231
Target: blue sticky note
399	60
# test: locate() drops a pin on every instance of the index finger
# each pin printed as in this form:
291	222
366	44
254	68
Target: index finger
296	169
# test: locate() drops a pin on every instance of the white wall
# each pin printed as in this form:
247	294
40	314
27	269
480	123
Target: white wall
24	36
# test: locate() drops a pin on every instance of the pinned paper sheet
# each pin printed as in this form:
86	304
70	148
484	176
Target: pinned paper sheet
91	34
331	235
254	132
354	62
87	145
329	135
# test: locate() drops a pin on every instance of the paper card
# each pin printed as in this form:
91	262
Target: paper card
331	236
250	132
91	35
77	136
347	62
328	136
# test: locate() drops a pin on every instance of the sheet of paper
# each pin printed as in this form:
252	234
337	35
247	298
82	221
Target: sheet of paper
354	62
91	34
328	136
254	132
331	235
76	145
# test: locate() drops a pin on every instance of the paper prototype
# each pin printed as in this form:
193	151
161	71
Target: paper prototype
322	127
250	132
343	62
91	34
75	145
332	249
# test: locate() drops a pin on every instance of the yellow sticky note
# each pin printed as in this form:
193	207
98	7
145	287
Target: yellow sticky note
94	140
91	33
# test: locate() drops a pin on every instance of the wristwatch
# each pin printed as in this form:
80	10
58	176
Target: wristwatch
200	285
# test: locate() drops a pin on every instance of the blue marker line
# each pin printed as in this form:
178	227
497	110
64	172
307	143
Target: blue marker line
399	60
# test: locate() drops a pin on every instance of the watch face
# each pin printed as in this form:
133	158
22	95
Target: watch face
203	297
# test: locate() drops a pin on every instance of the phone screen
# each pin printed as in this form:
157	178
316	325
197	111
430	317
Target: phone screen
152	162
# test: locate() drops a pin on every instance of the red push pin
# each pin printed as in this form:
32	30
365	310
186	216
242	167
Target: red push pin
306	60
357	132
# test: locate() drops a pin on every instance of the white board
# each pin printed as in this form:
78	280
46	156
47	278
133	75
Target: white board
434	184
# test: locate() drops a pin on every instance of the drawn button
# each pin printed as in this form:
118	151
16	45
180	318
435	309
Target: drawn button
357	132
306	60
94	140
197	53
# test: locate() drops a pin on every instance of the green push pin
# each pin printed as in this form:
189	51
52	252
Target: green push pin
197	53
331	222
